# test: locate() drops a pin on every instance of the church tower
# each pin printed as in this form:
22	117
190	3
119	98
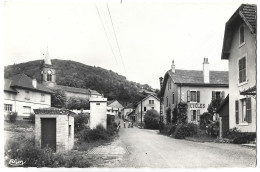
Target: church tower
48	73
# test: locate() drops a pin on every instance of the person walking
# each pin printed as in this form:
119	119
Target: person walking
124	124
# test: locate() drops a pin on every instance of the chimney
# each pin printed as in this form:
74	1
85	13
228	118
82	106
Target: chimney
173	67
206	70
34	83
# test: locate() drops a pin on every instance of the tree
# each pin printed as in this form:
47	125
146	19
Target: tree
58	99
213	106
151	119
182	113
168	115
174	115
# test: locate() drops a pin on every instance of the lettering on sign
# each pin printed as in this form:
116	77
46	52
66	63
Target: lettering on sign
197	105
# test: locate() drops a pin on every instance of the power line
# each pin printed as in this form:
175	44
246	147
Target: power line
107	37
116	39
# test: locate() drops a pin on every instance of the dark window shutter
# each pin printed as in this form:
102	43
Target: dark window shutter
237	114
213	95
248	110
198	115
191	116
172	98
188	96
198	96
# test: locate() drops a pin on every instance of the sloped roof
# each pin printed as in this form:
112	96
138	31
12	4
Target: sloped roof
196	77
151	95
118	105
23	81
7	87
94	92
73	89
246	13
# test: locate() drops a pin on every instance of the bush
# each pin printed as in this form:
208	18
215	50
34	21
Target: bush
205	119
12	116
151	119
185	130
32	118
168	129
239	137
80	122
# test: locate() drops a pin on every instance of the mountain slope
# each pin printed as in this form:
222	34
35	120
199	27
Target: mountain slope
75	74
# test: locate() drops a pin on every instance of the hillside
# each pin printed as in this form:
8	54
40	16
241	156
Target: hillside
75	74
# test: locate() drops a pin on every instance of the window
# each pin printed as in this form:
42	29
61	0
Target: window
193	96
144	108
151	101
193	115
242	69
167	102
218	95
8	107
243	114
69	130
172	98
241	35
98	104
42	97
27	95
49	75
26	109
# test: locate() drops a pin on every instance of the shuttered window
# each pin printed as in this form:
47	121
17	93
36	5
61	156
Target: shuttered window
172	98
248	110
242	69
193	115
193	96
198	96
8	107
241	35
188	96
237	111
244	116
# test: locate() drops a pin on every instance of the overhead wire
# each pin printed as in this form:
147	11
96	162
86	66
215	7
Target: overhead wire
116	39
107	37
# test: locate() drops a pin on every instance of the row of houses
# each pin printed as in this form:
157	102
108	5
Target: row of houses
237	86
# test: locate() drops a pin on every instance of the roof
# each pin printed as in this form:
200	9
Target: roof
131	113
118	105
195	78
94	92
7	87
23	81
73	89
224	102
47	59
151	95
129	106
247	14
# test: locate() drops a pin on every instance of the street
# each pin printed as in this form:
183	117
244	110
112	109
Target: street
147	148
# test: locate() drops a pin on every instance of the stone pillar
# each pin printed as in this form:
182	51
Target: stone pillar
98	112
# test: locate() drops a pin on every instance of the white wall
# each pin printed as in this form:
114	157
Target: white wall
98	112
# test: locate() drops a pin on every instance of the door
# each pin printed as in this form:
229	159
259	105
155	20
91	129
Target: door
48	131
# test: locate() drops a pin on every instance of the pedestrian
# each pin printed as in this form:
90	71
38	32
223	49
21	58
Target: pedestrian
124	124
132	124
129	124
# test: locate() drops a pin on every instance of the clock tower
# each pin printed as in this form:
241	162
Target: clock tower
48	73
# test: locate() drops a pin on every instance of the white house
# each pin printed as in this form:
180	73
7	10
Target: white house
23	94
126	110
194	87
239	48
114	107
148	103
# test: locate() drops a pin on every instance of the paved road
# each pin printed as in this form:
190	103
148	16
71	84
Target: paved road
147	148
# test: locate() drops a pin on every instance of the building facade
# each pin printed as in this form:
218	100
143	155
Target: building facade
196	88
126	110
23	94
239	48
114	108
148	103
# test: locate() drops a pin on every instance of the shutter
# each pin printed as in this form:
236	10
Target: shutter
198	96
188	96
191	116
198	115
248	110
223	95
213	95
236	110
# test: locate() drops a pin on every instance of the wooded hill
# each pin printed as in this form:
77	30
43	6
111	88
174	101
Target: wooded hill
75	74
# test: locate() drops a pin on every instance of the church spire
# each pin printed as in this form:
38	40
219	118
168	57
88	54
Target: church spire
47	59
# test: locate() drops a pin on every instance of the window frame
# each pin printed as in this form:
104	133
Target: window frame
246	80
173	98
239	33
29	107
8	107
27	95
191	96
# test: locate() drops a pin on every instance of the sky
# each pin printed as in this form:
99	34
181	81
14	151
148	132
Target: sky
137	39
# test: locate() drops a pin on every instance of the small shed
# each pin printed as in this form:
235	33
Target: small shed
54	128
98	112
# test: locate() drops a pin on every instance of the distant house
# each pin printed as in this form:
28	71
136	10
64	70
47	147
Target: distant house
239	48
148	103
223	111
196	88
22	94
126	110
48	78
114	107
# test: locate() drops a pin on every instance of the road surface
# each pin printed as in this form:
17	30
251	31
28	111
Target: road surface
147	148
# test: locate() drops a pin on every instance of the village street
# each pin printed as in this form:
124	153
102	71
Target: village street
147	148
